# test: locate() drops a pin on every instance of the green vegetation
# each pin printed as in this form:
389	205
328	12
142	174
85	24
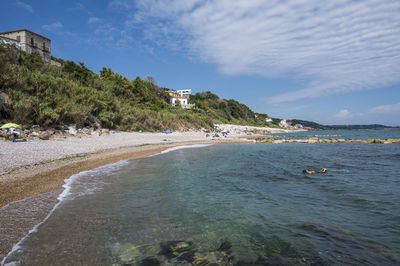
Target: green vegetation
227	111
337	127
34	92
309	124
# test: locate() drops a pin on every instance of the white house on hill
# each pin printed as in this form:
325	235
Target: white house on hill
181	99
182	96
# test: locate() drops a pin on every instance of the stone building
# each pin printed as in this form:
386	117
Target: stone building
30	42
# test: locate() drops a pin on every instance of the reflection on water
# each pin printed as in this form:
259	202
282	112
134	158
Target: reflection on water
230	204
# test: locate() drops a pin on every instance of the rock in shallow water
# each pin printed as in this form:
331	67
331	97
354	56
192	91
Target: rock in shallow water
174	247
225	246
150	261
126	252
187	256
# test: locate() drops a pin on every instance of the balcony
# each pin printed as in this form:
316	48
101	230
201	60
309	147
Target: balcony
45	49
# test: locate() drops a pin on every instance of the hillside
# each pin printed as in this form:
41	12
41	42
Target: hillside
310	124
372	126
317	126
33	92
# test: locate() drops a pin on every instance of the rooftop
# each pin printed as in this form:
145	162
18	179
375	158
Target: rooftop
11	31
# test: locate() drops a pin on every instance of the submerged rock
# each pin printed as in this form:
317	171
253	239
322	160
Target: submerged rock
244	263
212	258
274	260
150	261
175	247
225	246
127	252
187	256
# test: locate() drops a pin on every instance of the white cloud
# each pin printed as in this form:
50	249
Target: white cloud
94	20
107	35
25	6
377	114
388	108
344	113
53	27
77	6
338	46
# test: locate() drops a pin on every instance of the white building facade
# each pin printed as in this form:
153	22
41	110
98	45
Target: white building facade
181	99
184	93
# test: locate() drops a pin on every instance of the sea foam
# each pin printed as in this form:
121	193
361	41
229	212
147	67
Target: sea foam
90	188
66	195
185	147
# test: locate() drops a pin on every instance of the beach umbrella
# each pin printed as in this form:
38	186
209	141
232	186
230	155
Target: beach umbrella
10	125
167	131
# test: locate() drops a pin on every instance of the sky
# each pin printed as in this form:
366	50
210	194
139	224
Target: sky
332	62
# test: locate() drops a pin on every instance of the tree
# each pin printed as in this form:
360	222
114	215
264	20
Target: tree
178	104
151	79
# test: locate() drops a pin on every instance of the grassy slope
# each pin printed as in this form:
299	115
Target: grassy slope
52	96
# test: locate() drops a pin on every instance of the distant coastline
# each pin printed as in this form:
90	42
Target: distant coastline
317	126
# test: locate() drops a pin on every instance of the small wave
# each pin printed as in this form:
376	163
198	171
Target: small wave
186	147
95	186
62	197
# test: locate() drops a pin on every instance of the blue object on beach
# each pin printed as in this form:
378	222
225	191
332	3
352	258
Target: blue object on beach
167	131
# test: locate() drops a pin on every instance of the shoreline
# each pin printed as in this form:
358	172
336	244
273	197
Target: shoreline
42	177
32	174
29	193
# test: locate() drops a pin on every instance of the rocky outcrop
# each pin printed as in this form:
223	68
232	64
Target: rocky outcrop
5	106
35	133
248	130
331	140
92	122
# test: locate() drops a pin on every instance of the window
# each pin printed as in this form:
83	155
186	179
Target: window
18	38
32	43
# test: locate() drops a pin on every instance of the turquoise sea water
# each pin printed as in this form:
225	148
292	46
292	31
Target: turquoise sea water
342	134
252	196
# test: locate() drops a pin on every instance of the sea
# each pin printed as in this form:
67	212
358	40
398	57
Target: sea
230	204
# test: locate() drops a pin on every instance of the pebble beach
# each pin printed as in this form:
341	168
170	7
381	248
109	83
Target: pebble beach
32	173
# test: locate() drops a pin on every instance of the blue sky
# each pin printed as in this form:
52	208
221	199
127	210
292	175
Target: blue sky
333	62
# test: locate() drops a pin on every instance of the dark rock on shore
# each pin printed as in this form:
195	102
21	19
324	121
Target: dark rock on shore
92	121
36	132
331	140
